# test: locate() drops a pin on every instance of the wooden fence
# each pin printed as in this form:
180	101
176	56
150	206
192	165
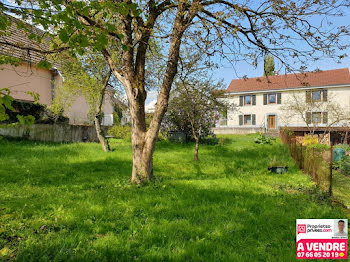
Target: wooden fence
315	161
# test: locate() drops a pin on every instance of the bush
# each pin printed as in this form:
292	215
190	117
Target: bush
344	165
310	140
162	136
264	140
120	132
41	113
223	141
209	140
321	147
346	147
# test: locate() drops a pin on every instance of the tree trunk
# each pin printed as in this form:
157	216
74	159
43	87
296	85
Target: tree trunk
132	76
142	166
196	150
98	116
100	135
142	145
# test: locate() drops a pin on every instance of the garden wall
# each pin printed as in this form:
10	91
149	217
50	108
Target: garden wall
52	133
236	130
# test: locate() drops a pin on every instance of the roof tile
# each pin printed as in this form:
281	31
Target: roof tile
310	79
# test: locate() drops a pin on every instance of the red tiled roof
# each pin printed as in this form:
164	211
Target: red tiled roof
311	79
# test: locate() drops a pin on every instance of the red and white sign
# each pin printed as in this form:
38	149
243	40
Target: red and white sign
322	238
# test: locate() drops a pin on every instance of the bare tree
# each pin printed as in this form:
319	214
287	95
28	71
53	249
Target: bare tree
325	111
242	30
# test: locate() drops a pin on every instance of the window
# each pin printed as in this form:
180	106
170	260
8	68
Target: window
272	98
107	120
247	119
247	100
316	96
316	117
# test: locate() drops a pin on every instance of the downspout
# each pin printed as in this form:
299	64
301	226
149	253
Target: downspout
54	73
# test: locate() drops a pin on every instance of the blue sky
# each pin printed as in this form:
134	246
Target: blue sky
227	72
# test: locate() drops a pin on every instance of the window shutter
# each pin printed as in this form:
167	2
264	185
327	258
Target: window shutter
279	98
325	95
254	99
325	117
308	96
265	99
240	120
241	101
253	120
308	117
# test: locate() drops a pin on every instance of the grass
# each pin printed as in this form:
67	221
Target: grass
74	202
341	187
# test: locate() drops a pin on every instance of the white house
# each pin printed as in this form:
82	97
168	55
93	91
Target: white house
259	102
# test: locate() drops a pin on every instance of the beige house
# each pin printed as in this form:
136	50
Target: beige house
260	103
27	77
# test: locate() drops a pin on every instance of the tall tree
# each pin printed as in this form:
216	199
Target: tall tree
269	65
235	30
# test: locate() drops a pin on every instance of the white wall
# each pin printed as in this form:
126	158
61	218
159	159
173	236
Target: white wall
79	109
340	95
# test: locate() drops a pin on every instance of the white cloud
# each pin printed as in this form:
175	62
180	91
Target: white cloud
151	97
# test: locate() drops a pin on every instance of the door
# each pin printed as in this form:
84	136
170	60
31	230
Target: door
272	121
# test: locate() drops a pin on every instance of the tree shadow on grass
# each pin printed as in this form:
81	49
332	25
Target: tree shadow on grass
179	222
92	213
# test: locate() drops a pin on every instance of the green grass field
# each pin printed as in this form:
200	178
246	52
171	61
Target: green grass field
341	188
74	202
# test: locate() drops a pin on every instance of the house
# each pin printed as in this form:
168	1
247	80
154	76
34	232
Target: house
28	78
151	107
260	103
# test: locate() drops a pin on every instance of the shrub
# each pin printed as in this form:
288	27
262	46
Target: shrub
310	140
162	136
287	131
262	139
346	147
344	165
223	141
321	147
120	132
210	140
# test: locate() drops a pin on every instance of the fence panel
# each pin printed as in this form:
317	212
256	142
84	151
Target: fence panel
314	161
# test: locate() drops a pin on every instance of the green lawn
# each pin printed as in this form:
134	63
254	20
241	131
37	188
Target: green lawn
341	187
73	202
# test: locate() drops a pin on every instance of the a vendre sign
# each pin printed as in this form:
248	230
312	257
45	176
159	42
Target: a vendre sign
322	238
